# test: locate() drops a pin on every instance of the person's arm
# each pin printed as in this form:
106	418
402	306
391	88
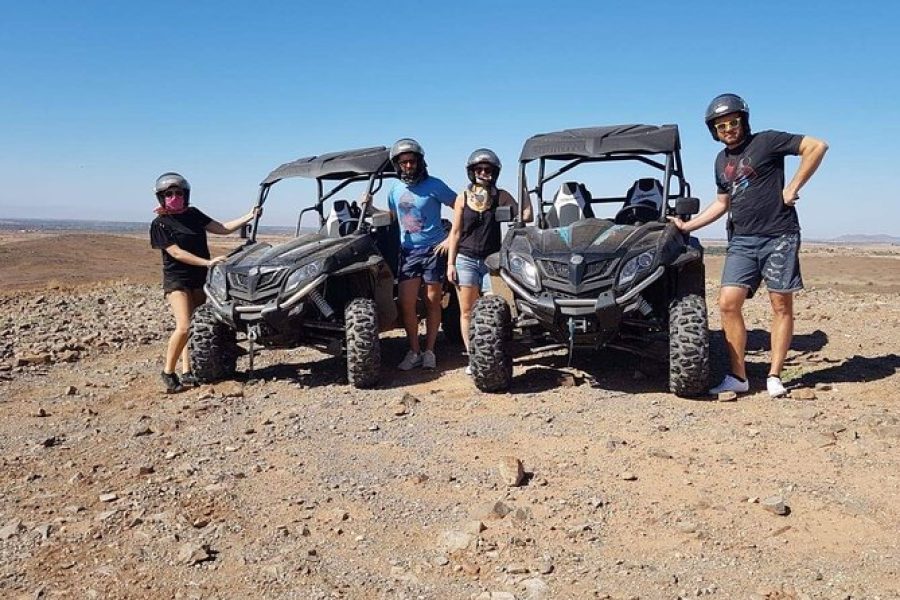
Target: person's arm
712	212
506	199
811	153
231	226
455	234
182	255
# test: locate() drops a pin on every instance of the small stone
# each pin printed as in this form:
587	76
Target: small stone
145	470
545	567
141	430
535	589
470	568
628	476
474	527
41	413
50	441
727	397
399	409
775	505
511	471
803	394
516	569
44	531
192	554
11	529
419	478
441	560
492	510
111	497
660	453
374	427
71	390
453	540
229	389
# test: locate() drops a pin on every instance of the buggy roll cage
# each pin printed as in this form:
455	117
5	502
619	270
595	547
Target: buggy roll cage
351	166
580	146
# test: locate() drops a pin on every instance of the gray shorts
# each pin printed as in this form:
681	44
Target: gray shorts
473	272
754	258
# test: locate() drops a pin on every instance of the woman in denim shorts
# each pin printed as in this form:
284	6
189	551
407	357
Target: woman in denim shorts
476	232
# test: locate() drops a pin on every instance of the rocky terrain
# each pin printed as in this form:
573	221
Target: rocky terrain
584	482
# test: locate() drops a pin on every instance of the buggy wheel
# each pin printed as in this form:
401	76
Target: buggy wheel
363	344
212	345
450	324
489	334
688	346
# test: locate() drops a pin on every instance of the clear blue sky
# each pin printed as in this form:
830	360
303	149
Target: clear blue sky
98	98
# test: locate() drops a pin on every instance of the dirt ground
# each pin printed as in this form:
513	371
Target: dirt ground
293	485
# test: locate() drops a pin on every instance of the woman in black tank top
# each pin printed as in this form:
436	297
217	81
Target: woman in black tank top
476	232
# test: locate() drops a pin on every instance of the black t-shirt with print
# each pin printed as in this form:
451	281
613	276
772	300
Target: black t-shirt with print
753	175
188	231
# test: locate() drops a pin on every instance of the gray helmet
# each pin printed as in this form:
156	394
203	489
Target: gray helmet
725	104
404	146
170	180
480	156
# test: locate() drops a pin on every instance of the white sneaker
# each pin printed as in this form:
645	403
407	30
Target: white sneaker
468	369
428	360
730	384
775	387
411	360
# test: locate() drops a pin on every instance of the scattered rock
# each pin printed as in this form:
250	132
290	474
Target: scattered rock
803	394
535	589
111	497
453	540
511	471
660	453
628	476
192	553
775	505
11	529
492	511
727	397
70	390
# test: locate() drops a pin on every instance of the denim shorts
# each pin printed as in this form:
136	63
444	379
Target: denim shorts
422	263
473	272
754	258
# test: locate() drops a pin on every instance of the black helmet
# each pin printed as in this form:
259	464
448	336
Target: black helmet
481	156
725	104
404	146
170	180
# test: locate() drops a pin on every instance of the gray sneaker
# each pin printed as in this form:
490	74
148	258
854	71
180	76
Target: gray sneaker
410	361
428	360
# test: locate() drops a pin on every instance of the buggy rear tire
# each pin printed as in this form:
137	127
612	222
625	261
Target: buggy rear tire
212	346
363	343
688	346
450	324
490	330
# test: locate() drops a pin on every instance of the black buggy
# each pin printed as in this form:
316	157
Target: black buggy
332	288
631	281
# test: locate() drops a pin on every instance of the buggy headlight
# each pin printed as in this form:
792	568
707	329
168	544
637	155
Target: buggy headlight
635	265
524	269
307	271
217	282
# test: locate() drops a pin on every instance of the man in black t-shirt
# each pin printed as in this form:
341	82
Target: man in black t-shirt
763	229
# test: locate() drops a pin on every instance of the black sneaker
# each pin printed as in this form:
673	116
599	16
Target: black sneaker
173	385
189	380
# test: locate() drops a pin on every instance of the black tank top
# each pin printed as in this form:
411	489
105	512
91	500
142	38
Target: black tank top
480	236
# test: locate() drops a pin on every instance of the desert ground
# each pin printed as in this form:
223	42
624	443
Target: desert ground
291	484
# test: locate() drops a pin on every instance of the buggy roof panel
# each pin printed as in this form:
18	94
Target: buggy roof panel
333	166
596	142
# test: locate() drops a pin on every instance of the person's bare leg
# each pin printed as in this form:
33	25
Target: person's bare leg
180	303
408	292
782	329
433	295
468	295
731	301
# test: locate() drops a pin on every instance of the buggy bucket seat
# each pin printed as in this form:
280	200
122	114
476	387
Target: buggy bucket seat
570	204
643	201
343	219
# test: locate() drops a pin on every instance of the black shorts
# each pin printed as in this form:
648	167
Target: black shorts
422	263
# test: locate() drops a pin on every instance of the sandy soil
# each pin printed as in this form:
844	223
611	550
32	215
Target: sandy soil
294	485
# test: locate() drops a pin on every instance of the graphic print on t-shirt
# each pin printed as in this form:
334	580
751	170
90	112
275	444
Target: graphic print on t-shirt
740	174
410	216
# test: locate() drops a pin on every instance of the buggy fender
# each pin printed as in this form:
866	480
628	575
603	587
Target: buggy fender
371	263
690	254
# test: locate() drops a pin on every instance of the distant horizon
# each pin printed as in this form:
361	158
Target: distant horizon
10	224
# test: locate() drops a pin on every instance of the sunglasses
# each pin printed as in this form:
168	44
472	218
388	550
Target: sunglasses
483	169
173	193
726	125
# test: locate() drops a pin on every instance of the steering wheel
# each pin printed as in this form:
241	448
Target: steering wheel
630	215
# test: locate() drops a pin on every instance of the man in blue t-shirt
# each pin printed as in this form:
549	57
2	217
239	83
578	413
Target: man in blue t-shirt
415	202
764	232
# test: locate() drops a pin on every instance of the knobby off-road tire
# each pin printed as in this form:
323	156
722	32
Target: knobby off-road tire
688	346
489	334
212	346
363	344
450	324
